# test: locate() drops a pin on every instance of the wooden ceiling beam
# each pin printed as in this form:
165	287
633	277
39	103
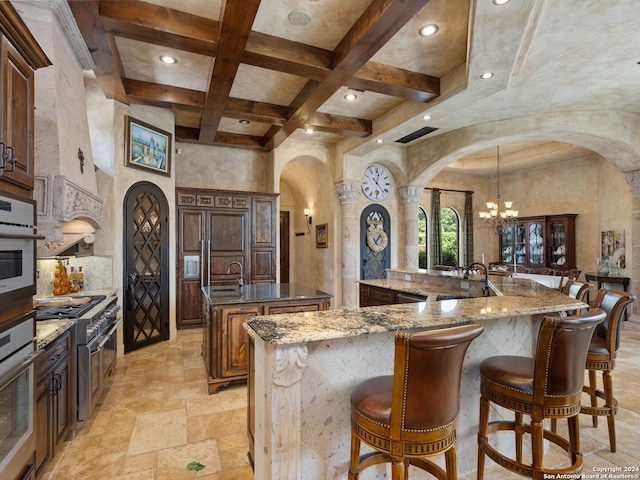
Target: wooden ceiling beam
161	19
237	17
330	123
166	96
379	23
397	82
222	139
108	68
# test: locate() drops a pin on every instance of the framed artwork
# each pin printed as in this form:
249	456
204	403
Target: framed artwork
322	236
147	147
612	248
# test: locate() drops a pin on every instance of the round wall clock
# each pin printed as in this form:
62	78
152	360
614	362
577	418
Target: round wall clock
376	183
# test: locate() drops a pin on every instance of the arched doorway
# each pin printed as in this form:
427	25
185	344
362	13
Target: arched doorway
146	266
375	242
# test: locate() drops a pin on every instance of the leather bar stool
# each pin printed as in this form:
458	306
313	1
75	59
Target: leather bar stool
579	291
411	415
602	356
547	385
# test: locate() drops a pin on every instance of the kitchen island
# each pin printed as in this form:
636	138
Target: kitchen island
307	364
226	307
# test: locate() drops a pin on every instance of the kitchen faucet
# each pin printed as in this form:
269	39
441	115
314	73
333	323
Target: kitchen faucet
241	279
485	289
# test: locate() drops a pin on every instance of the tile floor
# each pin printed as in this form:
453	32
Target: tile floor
156	418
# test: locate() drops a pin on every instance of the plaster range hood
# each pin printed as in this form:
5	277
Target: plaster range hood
68	205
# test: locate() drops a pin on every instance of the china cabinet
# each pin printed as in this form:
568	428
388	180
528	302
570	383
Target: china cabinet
541	241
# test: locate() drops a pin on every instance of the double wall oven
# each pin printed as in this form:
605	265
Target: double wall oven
17	332
97	323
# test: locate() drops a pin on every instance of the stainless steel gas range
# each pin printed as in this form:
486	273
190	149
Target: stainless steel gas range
96	338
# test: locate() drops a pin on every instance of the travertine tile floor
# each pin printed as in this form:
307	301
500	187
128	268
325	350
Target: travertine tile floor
156	418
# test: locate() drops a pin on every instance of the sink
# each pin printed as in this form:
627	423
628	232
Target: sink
225	291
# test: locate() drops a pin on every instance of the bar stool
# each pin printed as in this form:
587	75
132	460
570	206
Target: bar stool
411	415
548	385
602	355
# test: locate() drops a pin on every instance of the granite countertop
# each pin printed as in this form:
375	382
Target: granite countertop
415	288
259	293
515	297
107	292
48	330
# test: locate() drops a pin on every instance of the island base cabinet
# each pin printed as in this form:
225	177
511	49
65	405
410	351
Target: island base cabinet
53	395
225	342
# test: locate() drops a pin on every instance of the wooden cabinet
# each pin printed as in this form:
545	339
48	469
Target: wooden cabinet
20	55
540	242
216	228
372	296
225	342
53	400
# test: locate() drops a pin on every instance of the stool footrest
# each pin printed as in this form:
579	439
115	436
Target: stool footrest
527	469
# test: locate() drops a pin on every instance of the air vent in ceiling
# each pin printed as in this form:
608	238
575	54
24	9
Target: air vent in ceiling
417	134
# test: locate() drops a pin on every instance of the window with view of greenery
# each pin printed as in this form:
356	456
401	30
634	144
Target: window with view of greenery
449	231
422	238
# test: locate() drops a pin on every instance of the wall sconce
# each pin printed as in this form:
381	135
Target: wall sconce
307	214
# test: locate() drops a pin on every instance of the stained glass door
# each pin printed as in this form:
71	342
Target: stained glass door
375	251
146	267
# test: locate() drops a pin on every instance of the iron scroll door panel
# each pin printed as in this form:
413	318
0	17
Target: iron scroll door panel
146	266
375	242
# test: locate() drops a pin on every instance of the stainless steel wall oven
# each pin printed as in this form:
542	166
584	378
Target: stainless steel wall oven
17	398
17	248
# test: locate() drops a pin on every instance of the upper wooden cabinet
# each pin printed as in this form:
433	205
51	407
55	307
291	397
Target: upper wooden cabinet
20	55
215	229
544	241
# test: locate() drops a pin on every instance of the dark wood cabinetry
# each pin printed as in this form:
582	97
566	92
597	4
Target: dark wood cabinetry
215	229
372	296
20	55
537	242
53	400
225	342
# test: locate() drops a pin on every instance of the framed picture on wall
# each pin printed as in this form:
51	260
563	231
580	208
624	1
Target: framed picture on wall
147	147
322	236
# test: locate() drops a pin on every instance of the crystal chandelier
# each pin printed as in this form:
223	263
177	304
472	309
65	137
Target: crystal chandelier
497	218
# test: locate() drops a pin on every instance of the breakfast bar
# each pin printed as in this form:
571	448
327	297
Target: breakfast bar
306	365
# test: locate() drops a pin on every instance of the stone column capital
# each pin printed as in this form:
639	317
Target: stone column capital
411	195
348	191
291	362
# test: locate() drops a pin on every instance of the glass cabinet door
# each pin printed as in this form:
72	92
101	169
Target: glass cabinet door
506	245
557	244
536	244
520	244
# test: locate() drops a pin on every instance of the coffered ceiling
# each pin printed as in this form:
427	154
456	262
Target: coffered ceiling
252	73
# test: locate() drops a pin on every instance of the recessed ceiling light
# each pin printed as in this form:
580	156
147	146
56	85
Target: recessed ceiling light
168	59
350	97
299	18
428	30
427	117
379	140
486	75
500	2
244	121
309	130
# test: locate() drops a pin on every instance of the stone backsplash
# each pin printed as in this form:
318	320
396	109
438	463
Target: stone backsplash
98	273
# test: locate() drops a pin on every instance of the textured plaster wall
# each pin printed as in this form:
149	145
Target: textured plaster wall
201	166
61	126
590	186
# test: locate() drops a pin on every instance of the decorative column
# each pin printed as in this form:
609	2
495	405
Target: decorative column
633	179
411	201
349	193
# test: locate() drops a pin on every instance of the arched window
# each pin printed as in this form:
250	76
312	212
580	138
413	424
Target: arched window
422	238
450	231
